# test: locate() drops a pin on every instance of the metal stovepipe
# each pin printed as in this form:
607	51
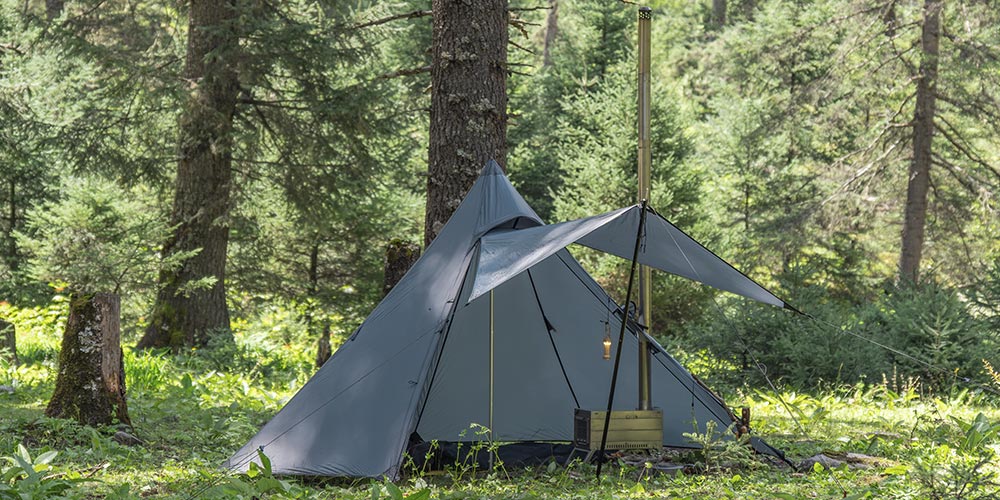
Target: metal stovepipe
645	285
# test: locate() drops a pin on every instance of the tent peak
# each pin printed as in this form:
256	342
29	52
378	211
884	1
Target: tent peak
492	168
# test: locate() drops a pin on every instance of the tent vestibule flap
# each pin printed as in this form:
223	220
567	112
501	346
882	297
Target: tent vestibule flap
504	254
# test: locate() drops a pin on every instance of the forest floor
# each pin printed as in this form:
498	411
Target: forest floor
193	410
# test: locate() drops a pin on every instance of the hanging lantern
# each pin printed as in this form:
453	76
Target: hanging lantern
607	341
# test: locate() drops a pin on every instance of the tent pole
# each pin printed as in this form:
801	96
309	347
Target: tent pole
645	282
621	337
491	380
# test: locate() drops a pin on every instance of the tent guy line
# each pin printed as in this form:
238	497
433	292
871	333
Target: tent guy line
639	237
759	365
655	345
548	330
925	364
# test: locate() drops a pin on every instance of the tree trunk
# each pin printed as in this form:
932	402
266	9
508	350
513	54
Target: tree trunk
53	9
323	349
90	385
915	216
8	341
12	260
400	255
182	316
718	13
468	101
551	31
890	20
749	6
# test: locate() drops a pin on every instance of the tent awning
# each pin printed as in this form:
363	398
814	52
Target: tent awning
504	254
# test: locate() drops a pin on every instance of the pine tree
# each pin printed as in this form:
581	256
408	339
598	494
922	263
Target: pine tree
918	181
589	38
286	100
182	315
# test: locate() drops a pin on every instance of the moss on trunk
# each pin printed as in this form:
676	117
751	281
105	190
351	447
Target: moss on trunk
8	341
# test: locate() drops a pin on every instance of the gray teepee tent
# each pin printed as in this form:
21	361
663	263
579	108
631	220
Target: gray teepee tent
419	362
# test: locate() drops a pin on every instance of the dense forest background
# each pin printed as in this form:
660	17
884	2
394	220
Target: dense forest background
792	138
241	181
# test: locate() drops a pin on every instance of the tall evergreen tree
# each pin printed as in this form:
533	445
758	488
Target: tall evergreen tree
588	39
828	110
282	96
550	33
181	315
28	166
918	181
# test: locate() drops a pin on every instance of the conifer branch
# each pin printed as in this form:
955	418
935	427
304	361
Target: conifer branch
9	47
972	45
515	44
282	104
969	107
409	15
404	72
967	180
954	137
520	25
263	118
868	171
528	9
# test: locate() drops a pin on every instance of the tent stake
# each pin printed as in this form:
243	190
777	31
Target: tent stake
621	338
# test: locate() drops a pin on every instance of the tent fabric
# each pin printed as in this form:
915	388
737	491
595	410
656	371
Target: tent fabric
505	253
354	416
419	362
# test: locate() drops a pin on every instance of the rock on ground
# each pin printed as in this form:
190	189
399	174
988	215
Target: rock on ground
126	439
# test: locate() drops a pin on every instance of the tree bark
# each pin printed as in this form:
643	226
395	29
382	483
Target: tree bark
915	216
468	101
53	8
90	385
8	341
400	255
749	6
718	13
13	262
551	31
202	188
890	20
323	348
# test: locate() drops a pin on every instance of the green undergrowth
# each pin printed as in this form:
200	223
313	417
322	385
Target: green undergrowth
193	409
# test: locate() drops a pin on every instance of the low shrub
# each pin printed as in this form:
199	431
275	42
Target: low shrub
926	333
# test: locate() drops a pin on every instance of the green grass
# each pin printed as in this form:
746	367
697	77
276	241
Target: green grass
194	409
